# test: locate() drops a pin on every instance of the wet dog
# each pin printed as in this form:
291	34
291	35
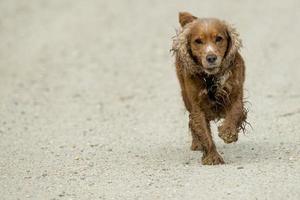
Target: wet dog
211	73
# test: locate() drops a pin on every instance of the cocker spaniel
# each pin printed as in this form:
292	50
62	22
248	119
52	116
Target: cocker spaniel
211	73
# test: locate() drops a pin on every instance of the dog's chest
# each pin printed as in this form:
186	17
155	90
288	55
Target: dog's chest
214	85
216	93
211	86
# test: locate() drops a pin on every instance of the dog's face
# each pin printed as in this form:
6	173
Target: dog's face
208	42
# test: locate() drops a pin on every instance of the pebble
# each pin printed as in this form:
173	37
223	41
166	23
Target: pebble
62	194
93	145
44	174
91	164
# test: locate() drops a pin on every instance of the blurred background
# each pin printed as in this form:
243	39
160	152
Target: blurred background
90	107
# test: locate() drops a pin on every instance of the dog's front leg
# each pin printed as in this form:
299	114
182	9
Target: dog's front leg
199	125
234	119
200	128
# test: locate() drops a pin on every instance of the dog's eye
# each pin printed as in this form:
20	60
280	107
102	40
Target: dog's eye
198	41
219	39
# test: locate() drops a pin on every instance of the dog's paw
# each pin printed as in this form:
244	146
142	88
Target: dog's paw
228	134
196	146
212	158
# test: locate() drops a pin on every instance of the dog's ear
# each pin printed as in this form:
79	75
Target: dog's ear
185	18
234	41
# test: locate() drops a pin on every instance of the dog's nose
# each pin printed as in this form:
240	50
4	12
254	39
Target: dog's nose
211	58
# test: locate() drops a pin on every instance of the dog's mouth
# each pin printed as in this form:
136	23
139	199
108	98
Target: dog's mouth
212	70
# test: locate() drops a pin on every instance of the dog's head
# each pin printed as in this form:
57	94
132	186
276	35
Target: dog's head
210	42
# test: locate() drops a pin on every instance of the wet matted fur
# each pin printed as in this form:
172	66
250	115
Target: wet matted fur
210	96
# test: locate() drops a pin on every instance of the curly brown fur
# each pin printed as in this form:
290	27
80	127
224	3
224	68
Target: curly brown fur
211	74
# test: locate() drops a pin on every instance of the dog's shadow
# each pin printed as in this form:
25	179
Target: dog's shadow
241	153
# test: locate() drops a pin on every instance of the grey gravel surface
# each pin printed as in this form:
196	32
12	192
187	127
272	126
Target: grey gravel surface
90	106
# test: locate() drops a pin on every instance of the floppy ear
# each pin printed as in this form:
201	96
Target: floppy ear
234	41
185	18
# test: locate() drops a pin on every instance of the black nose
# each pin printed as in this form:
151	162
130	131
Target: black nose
211	58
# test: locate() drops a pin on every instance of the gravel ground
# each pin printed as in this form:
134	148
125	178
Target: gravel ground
90	106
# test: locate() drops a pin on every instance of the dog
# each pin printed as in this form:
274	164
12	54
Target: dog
211	73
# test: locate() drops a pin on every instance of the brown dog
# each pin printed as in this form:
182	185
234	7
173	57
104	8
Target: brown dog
211	74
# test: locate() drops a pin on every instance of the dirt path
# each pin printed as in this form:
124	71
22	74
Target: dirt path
90	105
